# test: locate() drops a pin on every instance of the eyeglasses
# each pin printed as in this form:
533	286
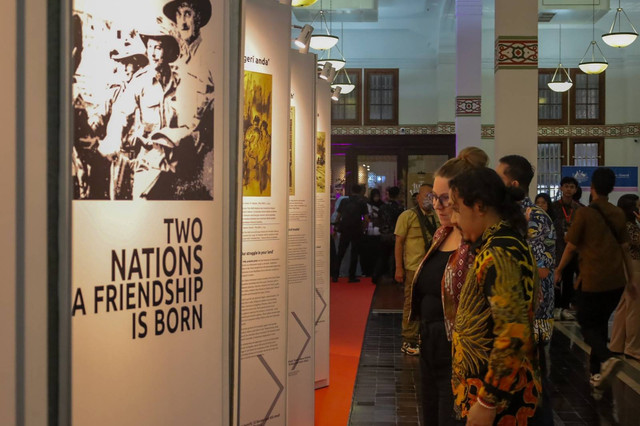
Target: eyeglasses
443	200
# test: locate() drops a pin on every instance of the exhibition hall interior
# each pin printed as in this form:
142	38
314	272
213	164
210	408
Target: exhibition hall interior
320	212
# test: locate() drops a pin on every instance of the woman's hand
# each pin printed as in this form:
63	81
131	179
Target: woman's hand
480	416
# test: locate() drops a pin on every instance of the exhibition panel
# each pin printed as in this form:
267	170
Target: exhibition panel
300	239
323	227
150	204
265	189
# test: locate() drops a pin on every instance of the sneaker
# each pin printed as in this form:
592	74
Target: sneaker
608	371
566	315
410	349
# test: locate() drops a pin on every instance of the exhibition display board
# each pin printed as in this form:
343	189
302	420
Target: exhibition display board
265	189
300	265
149	239
323	228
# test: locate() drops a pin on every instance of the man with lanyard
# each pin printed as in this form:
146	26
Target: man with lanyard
414	232
564	210
516	171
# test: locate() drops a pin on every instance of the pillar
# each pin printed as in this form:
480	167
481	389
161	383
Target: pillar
468	73
516	80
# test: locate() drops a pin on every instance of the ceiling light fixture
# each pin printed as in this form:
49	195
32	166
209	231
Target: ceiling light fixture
560	84
591	65
620	38
302	3
323	41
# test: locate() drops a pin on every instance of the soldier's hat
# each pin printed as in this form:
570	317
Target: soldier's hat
129	56
169	42
201	7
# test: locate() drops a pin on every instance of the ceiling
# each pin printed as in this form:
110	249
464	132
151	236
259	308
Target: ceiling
423	32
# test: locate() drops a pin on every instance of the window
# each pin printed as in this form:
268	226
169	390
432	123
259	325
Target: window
588	101
587	152
347	110
381	96
552	106
551	157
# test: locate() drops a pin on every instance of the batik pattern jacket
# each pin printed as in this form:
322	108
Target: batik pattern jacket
541	237
494	353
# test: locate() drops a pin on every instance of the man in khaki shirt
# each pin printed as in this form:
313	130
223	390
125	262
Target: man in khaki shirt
410	248
598	233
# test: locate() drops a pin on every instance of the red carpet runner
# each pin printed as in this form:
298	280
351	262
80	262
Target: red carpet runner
350	303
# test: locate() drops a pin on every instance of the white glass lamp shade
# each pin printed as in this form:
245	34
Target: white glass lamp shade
335	93
619	39
302	3
337	64
593	67
344	88
323	41
560	86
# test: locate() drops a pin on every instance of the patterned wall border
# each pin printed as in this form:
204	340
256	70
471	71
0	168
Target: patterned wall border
468	106
516	52
613	131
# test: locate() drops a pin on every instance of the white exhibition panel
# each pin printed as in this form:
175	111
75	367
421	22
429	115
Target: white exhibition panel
264	185
300	265
323	225
147	216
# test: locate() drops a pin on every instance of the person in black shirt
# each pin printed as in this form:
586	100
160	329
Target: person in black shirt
388	216
352	220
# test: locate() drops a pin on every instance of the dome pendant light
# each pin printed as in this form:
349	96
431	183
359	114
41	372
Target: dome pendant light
620	38
591	65
323	41
560	84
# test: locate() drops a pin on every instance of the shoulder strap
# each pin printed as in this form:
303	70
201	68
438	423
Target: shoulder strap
424	227
606	220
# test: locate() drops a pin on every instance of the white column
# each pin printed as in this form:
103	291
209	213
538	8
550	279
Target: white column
468	73
516	80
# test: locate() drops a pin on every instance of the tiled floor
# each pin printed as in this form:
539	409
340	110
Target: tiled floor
387	383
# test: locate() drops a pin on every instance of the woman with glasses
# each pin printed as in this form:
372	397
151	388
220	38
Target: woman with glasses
496	378
436	292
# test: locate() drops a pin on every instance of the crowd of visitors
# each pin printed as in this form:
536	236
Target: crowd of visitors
486	271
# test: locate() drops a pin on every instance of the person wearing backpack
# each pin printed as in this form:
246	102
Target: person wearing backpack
352	220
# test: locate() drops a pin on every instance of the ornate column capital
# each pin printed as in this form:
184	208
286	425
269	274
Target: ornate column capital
516	52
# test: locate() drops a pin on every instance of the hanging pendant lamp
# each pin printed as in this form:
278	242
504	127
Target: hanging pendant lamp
620	38
302	3
593	65
560	84
323	41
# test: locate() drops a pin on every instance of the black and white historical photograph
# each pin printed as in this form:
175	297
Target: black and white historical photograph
143	100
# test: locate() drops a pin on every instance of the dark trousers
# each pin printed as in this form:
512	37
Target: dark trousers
369	254
356	242
544	411
385	259
435	373
594	310
567	293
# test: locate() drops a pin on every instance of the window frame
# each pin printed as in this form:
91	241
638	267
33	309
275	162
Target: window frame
579	140
565	100
358	95
390	71
601	99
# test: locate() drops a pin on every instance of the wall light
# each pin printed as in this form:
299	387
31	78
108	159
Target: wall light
326	70
335	94
304	38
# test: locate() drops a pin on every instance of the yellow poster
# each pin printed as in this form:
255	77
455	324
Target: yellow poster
256	161
292	151
321	151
